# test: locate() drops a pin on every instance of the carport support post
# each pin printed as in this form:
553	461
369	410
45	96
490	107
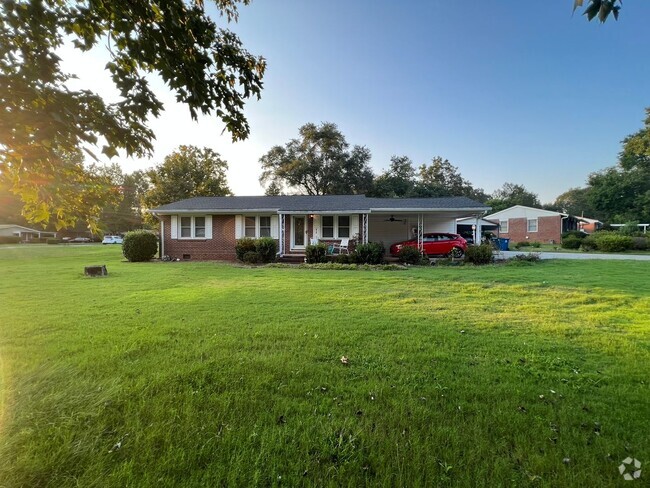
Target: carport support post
420	233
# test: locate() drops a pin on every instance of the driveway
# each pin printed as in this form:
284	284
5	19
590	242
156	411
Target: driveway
574	255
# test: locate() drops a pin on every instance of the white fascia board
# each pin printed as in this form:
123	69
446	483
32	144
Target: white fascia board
323	212
411	210
214	211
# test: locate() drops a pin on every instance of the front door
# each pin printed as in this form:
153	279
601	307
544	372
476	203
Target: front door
298	231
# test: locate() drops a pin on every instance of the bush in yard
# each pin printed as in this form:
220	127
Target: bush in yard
522	244
409	255
316	253
571	242
588	244
479	254
371	253
139	245
613	242
267	248
630	229
536	244
243	246
575	233
9	239
52	240
252	257
344	259
640	243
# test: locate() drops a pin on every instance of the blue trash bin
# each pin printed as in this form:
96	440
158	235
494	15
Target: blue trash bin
503	243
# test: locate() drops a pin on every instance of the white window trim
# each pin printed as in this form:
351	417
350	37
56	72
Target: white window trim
257	226
336	226
528	221
504	228
193	229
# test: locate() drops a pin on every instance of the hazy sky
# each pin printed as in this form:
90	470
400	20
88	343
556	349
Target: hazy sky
507	90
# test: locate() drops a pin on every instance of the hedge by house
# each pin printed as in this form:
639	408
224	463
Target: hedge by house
139	245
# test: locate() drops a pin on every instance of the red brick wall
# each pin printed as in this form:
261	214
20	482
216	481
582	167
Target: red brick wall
548	229
220	247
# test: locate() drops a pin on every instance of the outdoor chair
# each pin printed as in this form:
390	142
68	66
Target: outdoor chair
342	246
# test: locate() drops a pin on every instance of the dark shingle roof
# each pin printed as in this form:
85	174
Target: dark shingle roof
325	203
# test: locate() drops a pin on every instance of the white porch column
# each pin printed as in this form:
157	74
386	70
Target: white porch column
421	232
281	222
365	228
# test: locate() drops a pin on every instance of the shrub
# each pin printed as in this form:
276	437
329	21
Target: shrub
52	240
267	248
536	244
9	239
630	229
371	253
479	254
528	257
571	242
521	244
139	245
575	233
252	257
243	246
588	244
316	253
613	243
344	259
409	255
640	243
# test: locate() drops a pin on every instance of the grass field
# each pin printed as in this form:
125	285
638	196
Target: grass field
206	374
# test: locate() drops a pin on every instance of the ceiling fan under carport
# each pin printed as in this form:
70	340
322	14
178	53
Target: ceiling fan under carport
393	219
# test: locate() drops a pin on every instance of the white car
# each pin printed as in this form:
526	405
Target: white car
112	240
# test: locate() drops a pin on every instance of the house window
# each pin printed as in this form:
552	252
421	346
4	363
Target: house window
250	227
328	226
344	226
335	227
265	226
532	225
186	226
257	226
192	227
503	226
199	226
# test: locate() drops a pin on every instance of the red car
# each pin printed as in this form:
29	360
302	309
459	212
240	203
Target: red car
435	244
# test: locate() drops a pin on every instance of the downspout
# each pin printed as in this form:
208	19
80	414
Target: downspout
562	227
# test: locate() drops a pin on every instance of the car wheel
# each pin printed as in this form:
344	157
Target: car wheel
457	253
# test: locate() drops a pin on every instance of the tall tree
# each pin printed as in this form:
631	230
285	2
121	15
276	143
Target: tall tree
441	179
622	193
42	117
125	213
599	8
512	194
575	201
187	172
319	162
397	181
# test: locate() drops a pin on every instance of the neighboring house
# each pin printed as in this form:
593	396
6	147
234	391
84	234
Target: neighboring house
642	227
520	223
25	233
208	227
589	226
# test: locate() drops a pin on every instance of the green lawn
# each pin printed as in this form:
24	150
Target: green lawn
205	374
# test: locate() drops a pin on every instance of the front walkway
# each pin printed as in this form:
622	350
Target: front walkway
574	255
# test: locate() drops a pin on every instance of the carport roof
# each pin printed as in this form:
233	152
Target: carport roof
321	203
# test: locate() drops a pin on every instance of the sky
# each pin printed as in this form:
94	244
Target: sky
506	90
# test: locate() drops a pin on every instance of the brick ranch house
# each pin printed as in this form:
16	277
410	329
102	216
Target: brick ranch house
520	223
207	228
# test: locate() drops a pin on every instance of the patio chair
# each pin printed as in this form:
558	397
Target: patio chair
342	246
